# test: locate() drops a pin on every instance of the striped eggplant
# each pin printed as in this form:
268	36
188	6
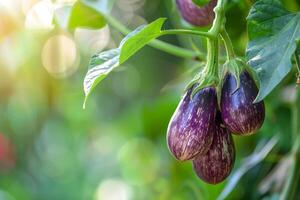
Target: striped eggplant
240	115
189	131
217	163
196	15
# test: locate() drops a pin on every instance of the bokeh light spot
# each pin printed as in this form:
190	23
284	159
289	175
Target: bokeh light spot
28	4
92	41
113	189
59	56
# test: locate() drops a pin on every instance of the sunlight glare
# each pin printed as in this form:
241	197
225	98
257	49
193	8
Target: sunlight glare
59	56
40	16
113	189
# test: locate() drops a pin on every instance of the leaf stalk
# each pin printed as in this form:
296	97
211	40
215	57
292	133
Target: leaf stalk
163	46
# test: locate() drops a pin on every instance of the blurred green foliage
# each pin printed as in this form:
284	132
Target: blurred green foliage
115	148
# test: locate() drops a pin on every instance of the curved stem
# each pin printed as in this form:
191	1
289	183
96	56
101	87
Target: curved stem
228	44
294	172
183	31
176	51
166	47
219	20
212	58
212	42
117	25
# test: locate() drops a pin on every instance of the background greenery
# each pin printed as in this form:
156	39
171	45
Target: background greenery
50	148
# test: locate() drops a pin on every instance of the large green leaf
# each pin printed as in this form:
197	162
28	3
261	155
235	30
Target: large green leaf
102	64
273	32
84	16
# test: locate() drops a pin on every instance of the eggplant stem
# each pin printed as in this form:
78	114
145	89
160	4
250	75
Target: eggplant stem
228	44
212	65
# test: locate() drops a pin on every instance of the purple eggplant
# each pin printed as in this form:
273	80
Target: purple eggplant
217	163
196	15
189	131
240	115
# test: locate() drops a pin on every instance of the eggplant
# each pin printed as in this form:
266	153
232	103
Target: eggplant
196	15
240	115
189	131
217	163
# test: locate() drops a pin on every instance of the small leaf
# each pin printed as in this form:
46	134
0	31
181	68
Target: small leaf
141	37
102	64
273	32
84	16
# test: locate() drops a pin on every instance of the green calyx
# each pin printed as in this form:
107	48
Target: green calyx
209	76
235	67
202	80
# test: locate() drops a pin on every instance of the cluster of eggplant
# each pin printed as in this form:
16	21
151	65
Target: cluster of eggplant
200	129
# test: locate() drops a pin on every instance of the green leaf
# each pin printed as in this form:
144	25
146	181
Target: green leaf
62	15
84	16
140	38
273	32
102	64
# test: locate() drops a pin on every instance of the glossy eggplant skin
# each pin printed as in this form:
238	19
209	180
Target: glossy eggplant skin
189	131
195	15
217	163
240	115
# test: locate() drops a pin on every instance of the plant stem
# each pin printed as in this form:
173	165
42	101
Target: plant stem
228	44
297	54
166	47
212	57
294	172
184	31
211	68
219	20
176	51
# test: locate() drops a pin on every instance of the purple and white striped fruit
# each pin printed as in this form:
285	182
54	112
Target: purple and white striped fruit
217	163
196	15
189	131
240	115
